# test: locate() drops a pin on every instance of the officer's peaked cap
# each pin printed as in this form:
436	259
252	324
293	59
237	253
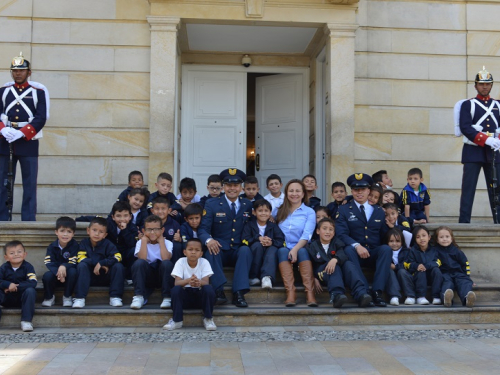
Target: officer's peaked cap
359	180
232	176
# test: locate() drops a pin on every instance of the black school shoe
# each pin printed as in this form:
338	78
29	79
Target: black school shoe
338	300
377	299
220	297
365	301
239	299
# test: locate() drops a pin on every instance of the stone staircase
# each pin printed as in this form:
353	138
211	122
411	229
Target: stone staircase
481	243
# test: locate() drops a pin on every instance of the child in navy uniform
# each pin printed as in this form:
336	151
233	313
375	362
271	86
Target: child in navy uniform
99	263
163	185
17	283
331	267
339	194
321	212
423	263
415	198
137	199
135	181
60	259
264	239
214	187
393	219
187	187
311	185
192	288
161	208
399	277
189	229
153	266
251	189
455	268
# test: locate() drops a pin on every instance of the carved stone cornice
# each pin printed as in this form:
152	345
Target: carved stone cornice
164	23
341	30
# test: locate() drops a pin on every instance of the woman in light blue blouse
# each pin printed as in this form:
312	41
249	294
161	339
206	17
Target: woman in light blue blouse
297	221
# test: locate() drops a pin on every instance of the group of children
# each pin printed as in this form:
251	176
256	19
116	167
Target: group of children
151	241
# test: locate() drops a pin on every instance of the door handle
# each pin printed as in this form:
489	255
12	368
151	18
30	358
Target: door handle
257	162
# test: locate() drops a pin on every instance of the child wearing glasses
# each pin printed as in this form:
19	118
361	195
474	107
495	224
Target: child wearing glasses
153	266
214	187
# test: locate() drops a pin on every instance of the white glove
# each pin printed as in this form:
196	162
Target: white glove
6	132
15	135
493	142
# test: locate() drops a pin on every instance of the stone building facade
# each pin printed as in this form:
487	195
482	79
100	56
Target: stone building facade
131	81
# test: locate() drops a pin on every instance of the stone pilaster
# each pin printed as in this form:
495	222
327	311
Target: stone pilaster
163	74
340	101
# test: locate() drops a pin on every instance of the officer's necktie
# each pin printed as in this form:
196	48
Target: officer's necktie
233	209
362	208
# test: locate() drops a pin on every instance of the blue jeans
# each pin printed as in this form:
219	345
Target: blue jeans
302	255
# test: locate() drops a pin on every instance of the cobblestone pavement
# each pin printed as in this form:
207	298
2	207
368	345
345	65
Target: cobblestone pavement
432	349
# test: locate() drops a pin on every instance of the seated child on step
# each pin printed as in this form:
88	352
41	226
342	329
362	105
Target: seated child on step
192	217
399	277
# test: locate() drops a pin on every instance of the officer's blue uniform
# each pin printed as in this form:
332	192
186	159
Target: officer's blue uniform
477	156
430	260
25	296
106	254
25	150
219	223
456	271
265	259
54	258
417	203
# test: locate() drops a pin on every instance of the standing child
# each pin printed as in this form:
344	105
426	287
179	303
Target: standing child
60	259
163	185
189	229
251	189
399	276
332	267
423	263
311	185
214	187
339	193
161	208
17	283
264	239
153	265
455	268
192	288
99	263
137	199
415	198
135	181
275	196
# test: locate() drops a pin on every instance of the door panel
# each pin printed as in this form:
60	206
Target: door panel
213	124
279	127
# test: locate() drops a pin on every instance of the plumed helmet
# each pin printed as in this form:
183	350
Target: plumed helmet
484	76
19	62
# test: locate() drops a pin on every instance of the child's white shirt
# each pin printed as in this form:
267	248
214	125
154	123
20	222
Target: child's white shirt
276	202
184	271
154	252
395	255
326	246
134	217
262	229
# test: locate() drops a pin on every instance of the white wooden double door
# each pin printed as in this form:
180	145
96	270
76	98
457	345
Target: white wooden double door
214	130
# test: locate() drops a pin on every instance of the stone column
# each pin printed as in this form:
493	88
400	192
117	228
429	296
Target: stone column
340	101
163	83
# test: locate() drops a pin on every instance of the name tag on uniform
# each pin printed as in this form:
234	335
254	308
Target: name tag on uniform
220	214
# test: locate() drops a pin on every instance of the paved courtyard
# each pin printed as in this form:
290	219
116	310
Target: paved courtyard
433	349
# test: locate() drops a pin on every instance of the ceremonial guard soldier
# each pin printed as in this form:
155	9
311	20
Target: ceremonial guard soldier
24	110
479	123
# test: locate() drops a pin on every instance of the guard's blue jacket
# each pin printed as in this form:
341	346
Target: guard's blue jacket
218	222
56	257
24	146
453	260
351	226
105	253
24	276
429	258
251	233
480	153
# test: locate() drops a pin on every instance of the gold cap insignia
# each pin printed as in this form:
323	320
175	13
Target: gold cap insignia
358	176
232	172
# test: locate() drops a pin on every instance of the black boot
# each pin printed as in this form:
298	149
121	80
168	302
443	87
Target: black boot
220	297
365	301
377	299
338	300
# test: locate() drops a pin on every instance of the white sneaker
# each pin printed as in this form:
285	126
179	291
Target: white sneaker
49	302
166	304
254	281
409	301
137	302
115	301
422	301
171	325
448	298
470	299
209	324
436	301
78	303
67	301
394	301
267	283
26	326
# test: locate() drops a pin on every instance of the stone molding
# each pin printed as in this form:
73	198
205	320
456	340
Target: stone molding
341	30
164	23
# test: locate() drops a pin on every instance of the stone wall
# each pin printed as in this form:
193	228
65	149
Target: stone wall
94	58
414	60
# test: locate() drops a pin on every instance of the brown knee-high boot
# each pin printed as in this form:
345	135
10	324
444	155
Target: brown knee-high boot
306	272
286	270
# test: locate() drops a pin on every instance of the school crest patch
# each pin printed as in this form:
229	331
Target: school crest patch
66	255
170	232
